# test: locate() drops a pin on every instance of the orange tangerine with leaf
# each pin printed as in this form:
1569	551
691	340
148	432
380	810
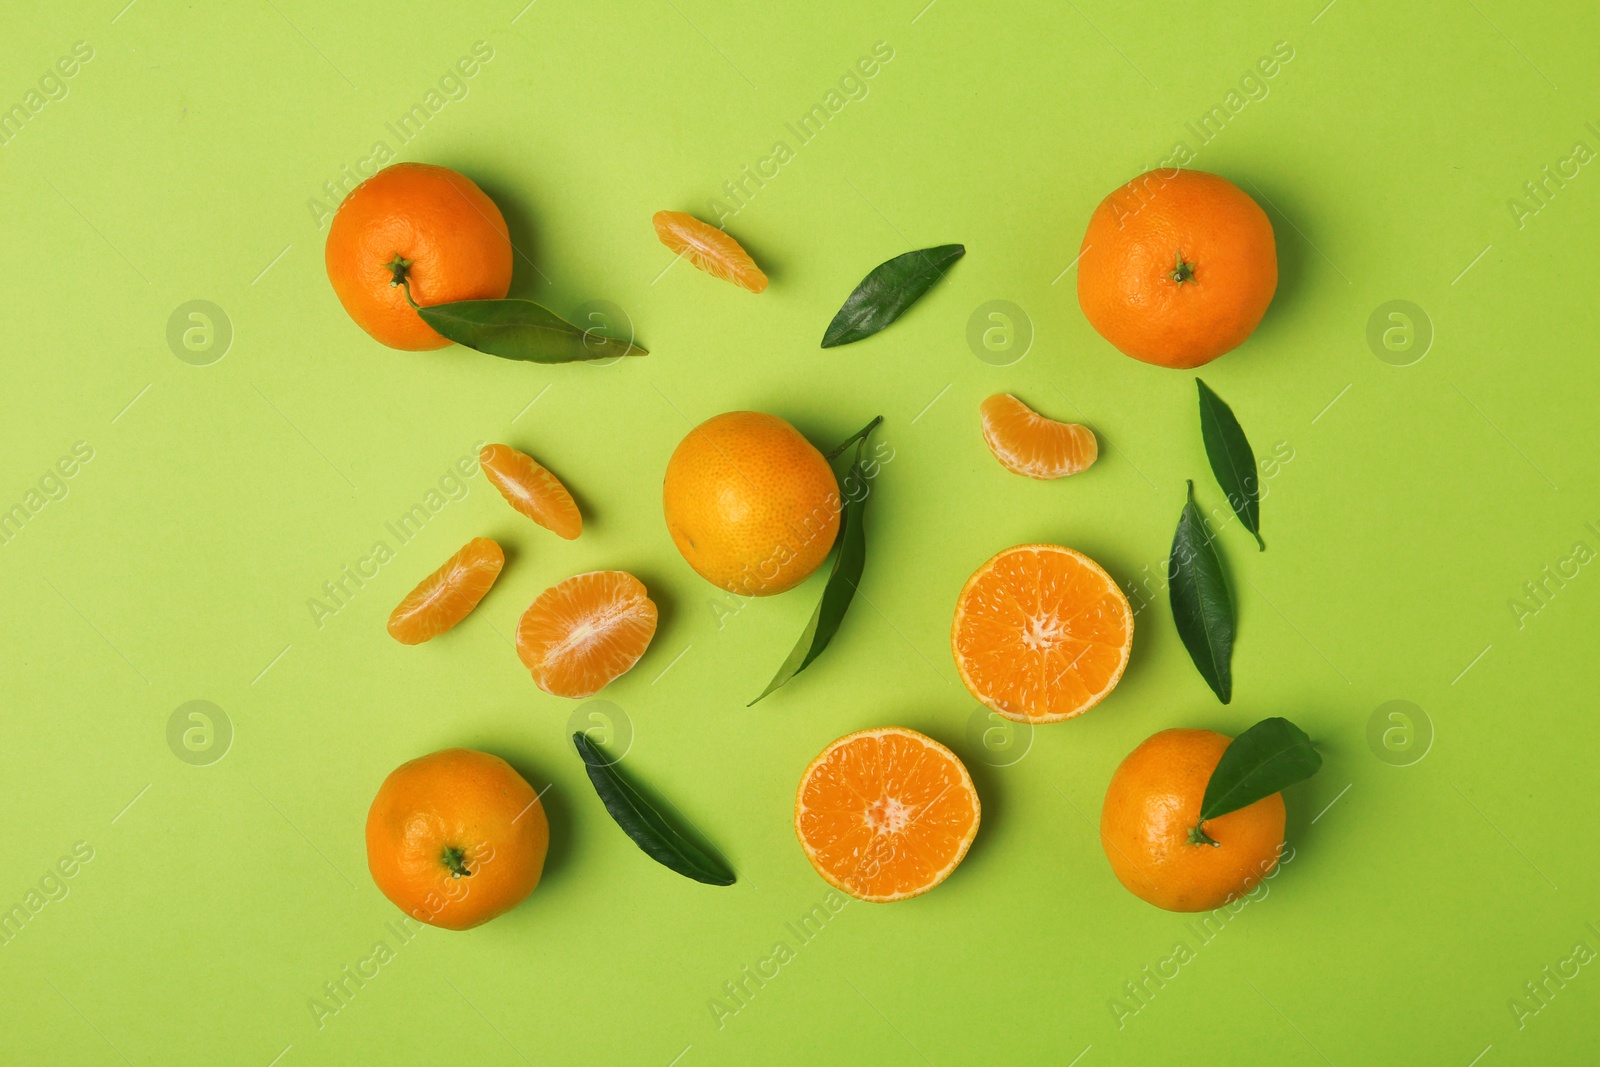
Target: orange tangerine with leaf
444	233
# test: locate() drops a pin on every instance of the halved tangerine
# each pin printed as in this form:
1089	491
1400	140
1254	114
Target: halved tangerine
581	634
886	814
449	594
531	489
1041	633
709	249
1026	442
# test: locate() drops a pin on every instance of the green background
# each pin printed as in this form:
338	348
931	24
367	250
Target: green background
1419	499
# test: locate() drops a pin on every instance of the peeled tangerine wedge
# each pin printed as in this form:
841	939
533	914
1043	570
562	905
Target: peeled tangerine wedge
449	594
531	489
709	249
1028	443
886	814
583	633
1041	633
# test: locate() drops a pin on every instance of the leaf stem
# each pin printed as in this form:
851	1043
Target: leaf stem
1198	836
859	435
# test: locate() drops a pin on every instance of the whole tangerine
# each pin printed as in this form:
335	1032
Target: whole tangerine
751	504
1150	826
431	225
1177	267
456	838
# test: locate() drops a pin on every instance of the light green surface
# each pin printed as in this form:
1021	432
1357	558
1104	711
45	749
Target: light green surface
219	899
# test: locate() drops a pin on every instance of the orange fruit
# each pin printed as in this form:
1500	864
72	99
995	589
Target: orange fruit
1041	633
751	504
886	814
1153	804
1028	443
531	489
437	221
709	249
1177	267
456	838
582	633
449	594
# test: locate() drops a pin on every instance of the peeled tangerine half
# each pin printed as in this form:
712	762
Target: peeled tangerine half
449	594
886	814
531	489
1026	442
709	249
583	633
1041	633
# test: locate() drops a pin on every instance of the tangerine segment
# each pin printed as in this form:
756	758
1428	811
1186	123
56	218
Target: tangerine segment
886	814
584	632
531	489
1152	804
1041	633
709	249
449	594
1026	442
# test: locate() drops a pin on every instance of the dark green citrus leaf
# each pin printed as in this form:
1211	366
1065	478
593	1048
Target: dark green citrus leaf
1266	759
1201	606
644	824
1232	461
884	295
521	329
848	563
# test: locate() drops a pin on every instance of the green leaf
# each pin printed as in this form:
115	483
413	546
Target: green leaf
521	329
1232	461
848	564
1201	606
884	295
640	821
1266	759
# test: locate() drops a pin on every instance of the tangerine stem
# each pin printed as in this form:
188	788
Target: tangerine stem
1181	271
398	268
1197	836
455	859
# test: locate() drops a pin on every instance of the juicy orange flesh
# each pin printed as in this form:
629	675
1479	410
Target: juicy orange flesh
1027	443
1041	633
581	634
531	489
449	594
709	249
886	814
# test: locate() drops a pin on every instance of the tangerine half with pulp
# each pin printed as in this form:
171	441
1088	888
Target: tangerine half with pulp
1041	633
886	814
